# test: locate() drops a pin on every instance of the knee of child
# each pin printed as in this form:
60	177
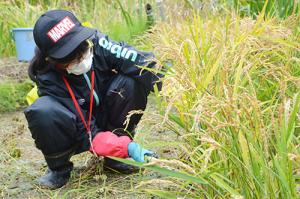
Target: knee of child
40	112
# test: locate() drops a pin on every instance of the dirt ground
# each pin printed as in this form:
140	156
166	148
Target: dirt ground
21	163
11	69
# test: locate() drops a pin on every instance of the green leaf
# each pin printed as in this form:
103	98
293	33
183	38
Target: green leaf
292	119
221	183
176	174
163	194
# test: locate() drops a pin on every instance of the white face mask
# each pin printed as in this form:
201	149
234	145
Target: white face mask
82	67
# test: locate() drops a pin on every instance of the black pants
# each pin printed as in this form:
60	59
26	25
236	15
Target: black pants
59	133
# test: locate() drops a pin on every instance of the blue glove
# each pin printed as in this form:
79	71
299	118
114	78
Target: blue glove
136	152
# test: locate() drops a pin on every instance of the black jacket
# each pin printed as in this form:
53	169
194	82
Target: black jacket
110	59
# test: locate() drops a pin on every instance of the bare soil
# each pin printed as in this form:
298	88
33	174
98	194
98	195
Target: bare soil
21	163
11	69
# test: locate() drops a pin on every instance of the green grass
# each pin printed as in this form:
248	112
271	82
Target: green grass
108	16
13	95
280	8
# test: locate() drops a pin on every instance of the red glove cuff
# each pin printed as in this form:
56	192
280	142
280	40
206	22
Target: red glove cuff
109	144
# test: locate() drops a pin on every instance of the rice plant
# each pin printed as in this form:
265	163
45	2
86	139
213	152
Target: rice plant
280	8
233	97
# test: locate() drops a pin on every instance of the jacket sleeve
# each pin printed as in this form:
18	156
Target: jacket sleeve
127	60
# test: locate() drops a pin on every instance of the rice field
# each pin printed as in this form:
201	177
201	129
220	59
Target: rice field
232	95
227	121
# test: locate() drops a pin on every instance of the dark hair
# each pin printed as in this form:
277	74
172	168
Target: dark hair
40	62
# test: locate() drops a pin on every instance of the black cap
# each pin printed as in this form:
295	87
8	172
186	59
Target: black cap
58	32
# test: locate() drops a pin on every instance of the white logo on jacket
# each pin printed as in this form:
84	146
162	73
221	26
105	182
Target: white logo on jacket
117	49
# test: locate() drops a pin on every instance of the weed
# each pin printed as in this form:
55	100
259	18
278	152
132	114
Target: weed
13	95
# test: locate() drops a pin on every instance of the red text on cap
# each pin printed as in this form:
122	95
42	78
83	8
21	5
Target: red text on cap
60	29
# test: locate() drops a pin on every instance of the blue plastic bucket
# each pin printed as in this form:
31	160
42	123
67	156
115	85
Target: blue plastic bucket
25	44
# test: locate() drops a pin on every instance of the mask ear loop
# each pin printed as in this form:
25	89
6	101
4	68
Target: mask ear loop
90	43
